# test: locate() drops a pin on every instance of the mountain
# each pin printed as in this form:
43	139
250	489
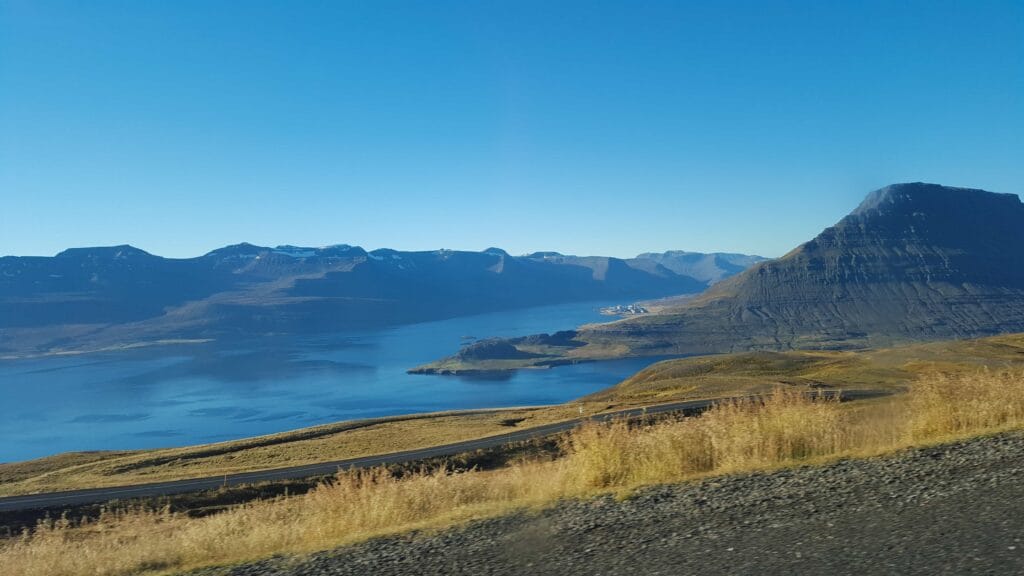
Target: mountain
120	295
710	268
913	262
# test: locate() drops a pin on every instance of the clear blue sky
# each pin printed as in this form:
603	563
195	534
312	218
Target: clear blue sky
583	127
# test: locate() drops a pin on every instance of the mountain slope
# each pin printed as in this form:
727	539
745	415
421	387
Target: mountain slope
710	268
98	297
912	262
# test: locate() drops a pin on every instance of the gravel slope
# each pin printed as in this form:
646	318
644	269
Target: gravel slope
955	509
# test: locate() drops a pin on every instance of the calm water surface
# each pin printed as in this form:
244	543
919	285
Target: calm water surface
205	393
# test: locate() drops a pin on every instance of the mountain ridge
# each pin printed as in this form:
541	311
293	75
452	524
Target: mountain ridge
913	261
117	295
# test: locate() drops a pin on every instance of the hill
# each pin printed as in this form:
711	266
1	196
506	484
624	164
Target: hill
123	296
716	376
782	430
741	373
912	262
710	268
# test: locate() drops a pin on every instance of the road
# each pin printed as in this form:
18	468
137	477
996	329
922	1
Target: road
94	495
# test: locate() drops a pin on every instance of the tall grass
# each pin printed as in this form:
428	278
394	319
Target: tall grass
740	435
781	429
950	406
354	506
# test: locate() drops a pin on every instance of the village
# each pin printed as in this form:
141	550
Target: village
627	310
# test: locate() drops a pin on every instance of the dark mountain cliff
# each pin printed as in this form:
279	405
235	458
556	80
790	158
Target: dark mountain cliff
913	261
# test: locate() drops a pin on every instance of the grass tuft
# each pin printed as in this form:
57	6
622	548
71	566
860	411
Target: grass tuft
949	406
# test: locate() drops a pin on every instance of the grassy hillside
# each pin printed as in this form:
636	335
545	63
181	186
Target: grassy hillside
750	372
306	446
663	382
782	429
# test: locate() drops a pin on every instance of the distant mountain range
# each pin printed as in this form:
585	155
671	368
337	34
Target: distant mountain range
88	298
709	268
912	262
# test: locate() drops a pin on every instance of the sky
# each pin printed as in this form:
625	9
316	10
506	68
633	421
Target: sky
607	128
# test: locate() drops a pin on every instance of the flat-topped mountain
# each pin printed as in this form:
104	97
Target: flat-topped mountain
108	296
912	262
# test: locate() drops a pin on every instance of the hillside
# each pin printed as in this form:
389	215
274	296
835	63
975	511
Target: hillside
949	509
117	296
740	373
391	513
710	268
715	376
912	262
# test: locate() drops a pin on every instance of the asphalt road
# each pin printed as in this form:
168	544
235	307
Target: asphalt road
94	495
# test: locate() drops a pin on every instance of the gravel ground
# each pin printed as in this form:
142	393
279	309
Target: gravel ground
954	509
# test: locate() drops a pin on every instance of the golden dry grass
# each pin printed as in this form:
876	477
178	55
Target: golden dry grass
949	406
306	446
757	372
355	506
783	428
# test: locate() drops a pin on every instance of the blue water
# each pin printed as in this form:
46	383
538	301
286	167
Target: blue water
191	394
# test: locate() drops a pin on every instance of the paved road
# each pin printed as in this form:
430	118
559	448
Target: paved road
93	495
